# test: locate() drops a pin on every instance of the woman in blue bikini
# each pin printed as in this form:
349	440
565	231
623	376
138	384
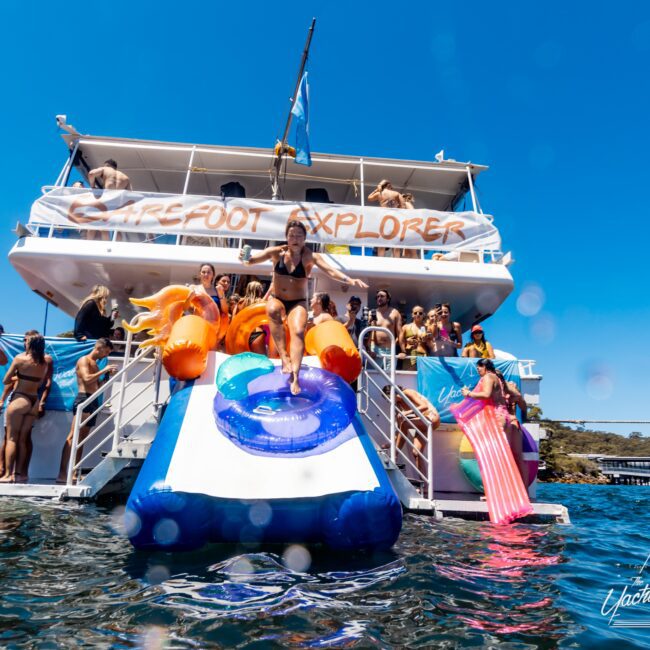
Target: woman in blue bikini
292	265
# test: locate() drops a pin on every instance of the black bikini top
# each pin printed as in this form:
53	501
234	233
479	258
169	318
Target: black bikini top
28	377
281	268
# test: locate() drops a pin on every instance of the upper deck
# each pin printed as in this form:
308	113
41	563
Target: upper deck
188	197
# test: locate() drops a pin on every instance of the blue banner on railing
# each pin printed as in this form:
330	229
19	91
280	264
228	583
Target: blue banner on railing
65	353
440	379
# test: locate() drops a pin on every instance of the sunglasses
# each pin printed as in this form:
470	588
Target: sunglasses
418	313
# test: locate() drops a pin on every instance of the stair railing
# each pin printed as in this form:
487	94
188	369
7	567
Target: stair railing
364	400
115	417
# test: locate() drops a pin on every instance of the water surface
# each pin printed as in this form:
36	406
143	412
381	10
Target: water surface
68	578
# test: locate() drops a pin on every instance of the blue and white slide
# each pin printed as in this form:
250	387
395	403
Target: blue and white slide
250	462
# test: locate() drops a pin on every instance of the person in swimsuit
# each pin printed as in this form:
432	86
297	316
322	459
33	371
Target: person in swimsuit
320	308
478	348
388	198
254	294
413	339
493	390
89	377
215	291
26	373
446	335
390	318
37	412
292	265
409	423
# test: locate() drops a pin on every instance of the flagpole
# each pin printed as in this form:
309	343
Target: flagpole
277	163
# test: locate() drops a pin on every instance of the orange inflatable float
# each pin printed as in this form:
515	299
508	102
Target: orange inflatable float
244	324
185	356
333	345
186	340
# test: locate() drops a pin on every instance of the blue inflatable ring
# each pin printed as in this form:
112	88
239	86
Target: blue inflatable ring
272	420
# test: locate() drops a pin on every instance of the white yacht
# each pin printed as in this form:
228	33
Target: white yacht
193	203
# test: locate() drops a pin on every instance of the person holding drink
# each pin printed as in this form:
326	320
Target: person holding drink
293	263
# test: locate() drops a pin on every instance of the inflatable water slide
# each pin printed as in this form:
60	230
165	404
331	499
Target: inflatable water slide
238	458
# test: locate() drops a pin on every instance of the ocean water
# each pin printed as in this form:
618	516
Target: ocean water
69	578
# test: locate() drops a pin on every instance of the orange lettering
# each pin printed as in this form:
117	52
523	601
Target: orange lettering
300	214
125	211
367	234
344	219
411	224
456	228
166	220
80	217
152	210
395	226
242	221
322	223
257	213
221	219
432	223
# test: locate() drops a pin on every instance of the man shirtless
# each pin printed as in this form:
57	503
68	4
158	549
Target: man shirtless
388	198
408	423
110	178
384	316
88	380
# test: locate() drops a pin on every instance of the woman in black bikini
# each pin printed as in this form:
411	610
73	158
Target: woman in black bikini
292	266
209	287
29	369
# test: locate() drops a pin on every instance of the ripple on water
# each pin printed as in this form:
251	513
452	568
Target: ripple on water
68	573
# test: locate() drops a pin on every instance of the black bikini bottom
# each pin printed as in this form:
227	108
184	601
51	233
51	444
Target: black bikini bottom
289	305
32	398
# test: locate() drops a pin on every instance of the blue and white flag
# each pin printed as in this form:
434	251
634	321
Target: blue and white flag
300	111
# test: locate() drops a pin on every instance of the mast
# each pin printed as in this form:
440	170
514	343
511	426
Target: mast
281	149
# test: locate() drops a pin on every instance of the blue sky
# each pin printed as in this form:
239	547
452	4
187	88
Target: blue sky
552	96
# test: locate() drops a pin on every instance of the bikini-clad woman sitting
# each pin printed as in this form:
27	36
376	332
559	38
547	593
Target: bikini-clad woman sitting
29	369
292	265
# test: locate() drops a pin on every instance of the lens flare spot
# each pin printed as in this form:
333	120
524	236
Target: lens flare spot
531	300
157	574
296	558
165	532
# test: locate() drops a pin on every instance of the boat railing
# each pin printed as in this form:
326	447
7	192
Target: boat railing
368	385
126	391
85	233
527	368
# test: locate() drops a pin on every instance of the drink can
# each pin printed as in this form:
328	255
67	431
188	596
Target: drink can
246	253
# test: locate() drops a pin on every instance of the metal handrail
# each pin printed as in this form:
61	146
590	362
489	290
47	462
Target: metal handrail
366	379
80	421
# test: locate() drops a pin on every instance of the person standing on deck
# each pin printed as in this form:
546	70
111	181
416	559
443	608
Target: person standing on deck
109	176
293	263
388	317
26	374
88	380
22	464
388	198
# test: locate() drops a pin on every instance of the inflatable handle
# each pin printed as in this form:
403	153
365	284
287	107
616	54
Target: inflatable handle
244	324
185	356
334	346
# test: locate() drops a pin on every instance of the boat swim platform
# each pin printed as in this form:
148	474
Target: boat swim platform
462	505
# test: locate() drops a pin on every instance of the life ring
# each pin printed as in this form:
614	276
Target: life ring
244	324
270	420
331	342
469	464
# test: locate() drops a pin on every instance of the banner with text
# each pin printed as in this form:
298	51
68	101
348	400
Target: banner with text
265	220
440	379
